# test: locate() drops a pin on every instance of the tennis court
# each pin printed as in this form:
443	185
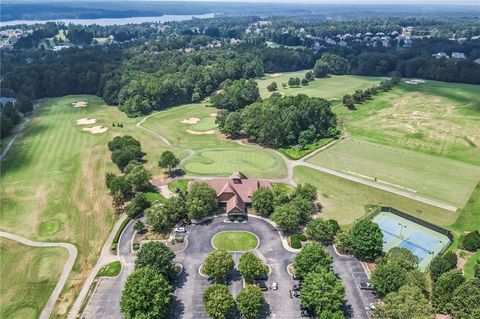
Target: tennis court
423	242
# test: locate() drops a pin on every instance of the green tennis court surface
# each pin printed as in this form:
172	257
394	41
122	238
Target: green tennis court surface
423	242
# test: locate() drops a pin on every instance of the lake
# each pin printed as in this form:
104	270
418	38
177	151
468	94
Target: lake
114	21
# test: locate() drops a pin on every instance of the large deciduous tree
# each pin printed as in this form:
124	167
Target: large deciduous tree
250	301
367	240
322	292
388	277
168	161
464	303
404	257
201	200
321	230
218	301
147	294
263	200
157	256
218	264
444	287
250	266
312	257
408	302
442	264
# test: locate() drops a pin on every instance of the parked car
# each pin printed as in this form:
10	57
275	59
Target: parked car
304	312
262	285
274	285
372	306
262	277
180	230
366	286
296	293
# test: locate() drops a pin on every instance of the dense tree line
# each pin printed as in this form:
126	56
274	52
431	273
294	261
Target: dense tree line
282	121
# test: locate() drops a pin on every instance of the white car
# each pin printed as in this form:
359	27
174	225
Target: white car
180	230
274	285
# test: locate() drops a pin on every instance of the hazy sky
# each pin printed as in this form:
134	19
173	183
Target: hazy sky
433	2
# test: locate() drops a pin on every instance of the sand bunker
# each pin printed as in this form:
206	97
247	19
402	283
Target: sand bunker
201	133
275	75
86	121
96	129
79	104
191	120
213	114
415	81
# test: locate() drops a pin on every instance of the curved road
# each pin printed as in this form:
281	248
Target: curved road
67	268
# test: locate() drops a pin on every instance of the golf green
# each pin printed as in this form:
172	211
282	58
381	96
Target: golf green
235	241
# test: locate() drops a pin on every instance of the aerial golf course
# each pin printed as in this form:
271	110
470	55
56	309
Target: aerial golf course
53	189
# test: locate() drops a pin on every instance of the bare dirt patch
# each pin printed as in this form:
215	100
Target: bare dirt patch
191	120
275	75
96	129
210	132
86	121
80	104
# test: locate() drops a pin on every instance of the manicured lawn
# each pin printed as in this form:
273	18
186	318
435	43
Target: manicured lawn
347	201
438	118
205	124
235	241
153	196
469	216
441	178
29	275
180	183
111	270
295	153
332	88
469	268
216	155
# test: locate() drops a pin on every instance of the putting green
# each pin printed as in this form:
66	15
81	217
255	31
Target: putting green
205	124
235	241
223	162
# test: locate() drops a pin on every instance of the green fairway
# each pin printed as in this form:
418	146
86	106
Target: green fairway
333	87
436	177
235	241
438	118
346	201
205	124
215	155
223	162
29	275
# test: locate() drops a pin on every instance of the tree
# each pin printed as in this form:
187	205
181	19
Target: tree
343	243
442	263
218	264
408	302
471	241
119	184
24	104
291	82
139	227
6	125
306	191
157	256
218	301
321	230
159	218
388	277
348	102
309	76
9	110
304	82
404	257
322	292
321	69
367	240
263	200
464	303
272	87
250	301
286	217
417	278
250	266
237	95
201	200
311	257
146	295
137	205
444	287
139	178
168	161
233	125
335	63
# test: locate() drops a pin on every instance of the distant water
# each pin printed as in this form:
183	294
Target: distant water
113	21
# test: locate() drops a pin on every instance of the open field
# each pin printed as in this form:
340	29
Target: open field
235	241
333	87
346	201
29	275
215	155
52	180
436	177
438	118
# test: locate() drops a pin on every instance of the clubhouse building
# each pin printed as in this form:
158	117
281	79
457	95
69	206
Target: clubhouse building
235	193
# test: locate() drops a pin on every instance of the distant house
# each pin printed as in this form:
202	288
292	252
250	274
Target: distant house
458	55
4	100
235	193
477	61
440	55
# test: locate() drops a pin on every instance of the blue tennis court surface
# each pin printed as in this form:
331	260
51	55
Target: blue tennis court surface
423	242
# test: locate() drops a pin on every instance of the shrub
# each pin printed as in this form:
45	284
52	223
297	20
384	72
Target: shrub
136	246
302	237
295	242
471	241
113	247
